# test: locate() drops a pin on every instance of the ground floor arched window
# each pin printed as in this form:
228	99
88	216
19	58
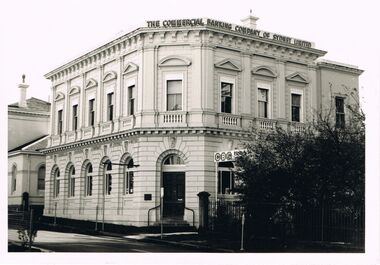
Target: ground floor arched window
88	179
226	179
41	178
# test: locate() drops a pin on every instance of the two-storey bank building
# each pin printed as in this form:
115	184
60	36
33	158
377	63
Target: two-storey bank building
144	115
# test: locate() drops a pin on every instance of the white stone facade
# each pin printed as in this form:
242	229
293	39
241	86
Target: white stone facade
139	67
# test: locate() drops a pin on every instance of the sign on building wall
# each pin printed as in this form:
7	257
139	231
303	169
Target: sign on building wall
228	156
194	22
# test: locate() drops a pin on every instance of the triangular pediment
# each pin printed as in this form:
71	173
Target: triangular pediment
74	90
174	61
59	96
91	83
130	68
111	75
297	77
264	71
227	64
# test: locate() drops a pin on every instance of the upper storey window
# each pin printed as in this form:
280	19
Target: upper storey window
296	107
226	97
91	112
75	117
339	112
131	100
110	98
174	95
263	103
59	121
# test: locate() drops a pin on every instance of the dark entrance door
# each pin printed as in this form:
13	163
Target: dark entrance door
174	194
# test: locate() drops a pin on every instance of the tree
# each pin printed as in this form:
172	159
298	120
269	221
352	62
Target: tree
321	165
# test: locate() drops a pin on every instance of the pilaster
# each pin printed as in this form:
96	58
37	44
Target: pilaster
281	89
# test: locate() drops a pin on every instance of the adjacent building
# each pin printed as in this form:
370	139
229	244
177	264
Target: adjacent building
140	121
28	122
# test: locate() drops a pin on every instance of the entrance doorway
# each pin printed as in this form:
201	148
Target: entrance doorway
174	195
173	182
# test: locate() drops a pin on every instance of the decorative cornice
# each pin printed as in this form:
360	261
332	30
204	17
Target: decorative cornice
339	67
145	131
132	39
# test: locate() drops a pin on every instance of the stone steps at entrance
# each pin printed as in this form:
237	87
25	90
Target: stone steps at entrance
173	222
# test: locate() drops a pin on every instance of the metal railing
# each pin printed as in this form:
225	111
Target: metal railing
191	210
153	208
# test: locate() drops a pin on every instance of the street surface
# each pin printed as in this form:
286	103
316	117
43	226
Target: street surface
70	242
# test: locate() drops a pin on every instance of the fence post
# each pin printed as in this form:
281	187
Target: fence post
242	233
96	218
203	211
30	229
322	221
55	213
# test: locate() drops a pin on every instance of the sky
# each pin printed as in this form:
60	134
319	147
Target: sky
39	35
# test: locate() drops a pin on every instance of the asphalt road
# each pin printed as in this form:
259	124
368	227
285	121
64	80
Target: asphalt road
70	242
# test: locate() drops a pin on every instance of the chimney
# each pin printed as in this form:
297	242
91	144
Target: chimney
22	87
250	21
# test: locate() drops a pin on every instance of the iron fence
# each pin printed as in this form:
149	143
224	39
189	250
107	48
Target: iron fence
322	224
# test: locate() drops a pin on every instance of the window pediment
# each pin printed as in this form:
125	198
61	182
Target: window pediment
264	71
74	90
297	77
174	61
59	96
227	64
91	83
130	68
111	75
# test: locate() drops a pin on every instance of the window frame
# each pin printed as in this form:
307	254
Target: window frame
131	89
220	180
41	177
110	96
340	125
232	81
59	121
88	184
128	178
56	183
14	179
74	117
300	93
174	77
71	181
91	111
268	87
107	188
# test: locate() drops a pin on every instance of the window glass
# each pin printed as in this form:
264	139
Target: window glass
75	118
14	178
226	97
263	103
174	95
59	122
108	176
339	111
72	181
173	160
91	112
88	180
56	183
296	107
131	100
128	177
41	178
110	106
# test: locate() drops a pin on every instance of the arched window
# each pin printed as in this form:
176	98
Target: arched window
88	180
173	160
56	182
41	178
108	176
71	181
14	178
128	177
